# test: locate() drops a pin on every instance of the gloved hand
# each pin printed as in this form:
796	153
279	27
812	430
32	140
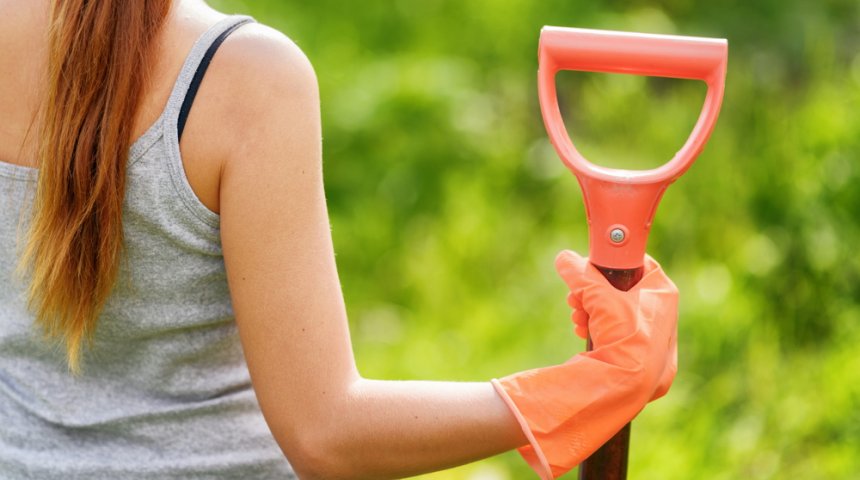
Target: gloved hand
568	411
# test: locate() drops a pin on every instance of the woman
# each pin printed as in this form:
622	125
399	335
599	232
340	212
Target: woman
157	260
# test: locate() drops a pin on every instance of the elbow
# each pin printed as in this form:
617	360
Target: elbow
319	442
309	460
318	455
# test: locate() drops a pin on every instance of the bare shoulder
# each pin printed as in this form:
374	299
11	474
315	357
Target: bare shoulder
261	50
263	65
266	84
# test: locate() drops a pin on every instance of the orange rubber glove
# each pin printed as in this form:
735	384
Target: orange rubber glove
568	411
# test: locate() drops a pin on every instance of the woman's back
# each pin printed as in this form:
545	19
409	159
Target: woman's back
164	389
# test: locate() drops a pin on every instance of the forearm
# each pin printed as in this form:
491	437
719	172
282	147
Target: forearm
395	429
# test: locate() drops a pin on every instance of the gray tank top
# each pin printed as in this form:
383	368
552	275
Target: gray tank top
165	391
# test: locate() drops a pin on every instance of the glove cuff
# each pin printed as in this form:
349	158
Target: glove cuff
531	453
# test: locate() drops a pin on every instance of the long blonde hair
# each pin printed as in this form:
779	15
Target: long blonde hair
100	52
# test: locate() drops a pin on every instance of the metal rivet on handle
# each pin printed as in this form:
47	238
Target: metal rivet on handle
616	235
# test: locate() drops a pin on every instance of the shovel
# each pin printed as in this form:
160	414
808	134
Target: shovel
620	204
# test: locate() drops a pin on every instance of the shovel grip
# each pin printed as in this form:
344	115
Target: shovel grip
636	53
632	53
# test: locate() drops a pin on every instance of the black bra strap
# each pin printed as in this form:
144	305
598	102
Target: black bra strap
198	76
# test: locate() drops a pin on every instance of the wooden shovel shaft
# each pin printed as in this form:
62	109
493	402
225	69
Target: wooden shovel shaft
609	462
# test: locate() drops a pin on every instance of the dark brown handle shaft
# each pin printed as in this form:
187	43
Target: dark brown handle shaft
609	462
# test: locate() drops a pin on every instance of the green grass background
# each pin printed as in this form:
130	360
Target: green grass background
448	205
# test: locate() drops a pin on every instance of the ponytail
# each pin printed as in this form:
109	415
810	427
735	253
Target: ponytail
100	52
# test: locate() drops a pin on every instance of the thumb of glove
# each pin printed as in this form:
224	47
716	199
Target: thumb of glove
576	271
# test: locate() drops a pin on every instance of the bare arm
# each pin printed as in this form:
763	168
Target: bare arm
330	422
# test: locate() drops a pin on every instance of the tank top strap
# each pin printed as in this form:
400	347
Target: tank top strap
191	74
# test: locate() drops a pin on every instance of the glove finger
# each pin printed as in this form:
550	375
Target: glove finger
574	300
579	317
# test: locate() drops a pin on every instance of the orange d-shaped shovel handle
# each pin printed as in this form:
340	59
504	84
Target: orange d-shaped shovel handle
620	204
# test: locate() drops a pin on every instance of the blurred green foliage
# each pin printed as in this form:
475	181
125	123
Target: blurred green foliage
448	205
